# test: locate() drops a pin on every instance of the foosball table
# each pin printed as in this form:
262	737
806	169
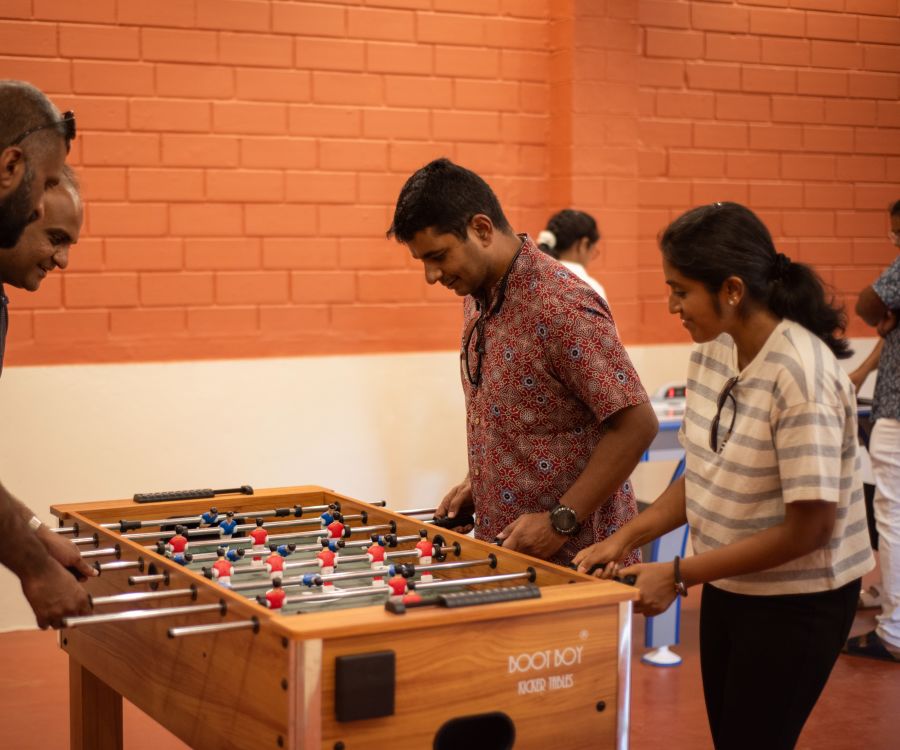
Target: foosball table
300	618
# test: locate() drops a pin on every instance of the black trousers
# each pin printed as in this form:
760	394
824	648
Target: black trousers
765	660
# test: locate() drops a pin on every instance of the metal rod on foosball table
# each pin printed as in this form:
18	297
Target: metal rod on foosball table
73	529
386	571
215	628
338	595
208	533
142	614
125	526
119	565
153	578
86	540
143	596
103	552
437	585
297	511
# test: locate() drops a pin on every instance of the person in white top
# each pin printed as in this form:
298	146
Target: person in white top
571	237
771	489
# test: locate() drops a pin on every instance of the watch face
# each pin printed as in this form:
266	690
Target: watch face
564	520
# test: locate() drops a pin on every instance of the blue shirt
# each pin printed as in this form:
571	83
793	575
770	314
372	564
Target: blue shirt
886	402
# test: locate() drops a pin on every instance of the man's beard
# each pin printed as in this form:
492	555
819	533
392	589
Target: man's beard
17	211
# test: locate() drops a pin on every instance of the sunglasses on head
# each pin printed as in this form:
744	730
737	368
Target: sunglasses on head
66	127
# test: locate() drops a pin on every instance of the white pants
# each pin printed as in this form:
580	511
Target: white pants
884	448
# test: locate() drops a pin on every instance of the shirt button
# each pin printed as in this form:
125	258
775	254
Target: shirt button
477	471
477	420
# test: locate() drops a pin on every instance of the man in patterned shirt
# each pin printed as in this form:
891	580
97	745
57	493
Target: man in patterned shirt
878	305
556	416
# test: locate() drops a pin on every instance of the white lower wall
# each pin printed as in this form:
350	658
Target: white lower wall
373	427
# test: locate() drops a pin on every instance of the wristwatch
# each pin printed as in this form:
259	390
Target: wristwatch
564	520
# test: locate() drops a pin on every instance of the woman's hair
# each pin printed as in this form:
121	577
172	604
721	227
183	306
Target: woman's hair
895	208
711	243
564	229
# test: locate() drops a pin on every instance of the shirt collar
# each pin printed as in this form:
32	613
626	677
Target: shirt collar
498	291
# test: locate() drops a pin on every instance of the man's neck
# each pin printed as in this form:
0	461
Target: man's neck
503	251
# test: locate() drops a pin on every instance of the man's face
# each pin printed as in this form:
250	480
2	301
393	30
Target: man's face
460	265
32	176
45	243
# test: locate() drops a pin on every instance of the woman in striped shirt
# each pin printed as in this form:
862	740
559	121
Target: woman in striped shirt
771	488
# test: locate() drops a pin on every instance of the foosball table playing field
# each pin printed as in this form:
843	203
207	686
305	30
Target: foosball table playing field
300	618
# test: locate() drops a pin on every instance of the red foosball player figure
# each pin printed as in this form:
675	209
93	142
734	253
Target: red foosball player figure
222	569
275	596
327	562
178	544
259	536
375	553
275	563
398	585
425	549
336	527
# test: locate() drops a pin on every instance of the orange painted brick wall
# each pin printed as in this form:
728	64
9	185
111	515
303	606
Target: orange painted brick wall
789	107
240	158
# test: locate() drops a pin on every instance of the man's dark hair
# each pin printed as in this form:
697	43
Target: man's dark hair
895	208
444	196
23	107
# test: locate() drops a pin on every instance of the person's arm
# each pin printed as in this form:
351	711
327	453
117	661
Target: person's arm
806	527
664	515
859	375
21	550
60	548
628	434
870	307
51	590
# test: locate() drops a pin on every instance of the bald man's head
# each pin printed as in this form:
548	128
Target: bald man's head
44	245
34	141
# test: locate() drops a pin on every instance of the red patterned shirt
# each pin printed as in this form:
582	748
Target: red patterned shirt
553	370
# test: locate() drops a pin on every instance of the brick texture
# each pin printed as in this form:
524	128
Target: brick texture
240	159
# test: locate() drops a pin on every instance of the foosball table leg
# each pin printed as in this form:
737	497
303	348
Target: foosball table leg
95	711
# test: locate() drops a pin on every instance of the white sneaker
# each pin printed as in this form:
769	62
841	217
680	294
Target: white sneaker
870	598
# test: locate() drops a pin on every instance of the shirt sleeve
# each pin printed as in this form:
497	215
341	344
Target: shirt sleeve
808	441
887	286
584	351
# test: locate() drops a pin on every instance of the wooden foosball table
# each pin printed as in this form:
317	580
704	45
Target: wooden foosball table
452	644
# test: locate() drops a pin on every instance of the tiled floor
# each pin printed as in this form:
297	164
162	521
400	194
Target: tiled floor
859	709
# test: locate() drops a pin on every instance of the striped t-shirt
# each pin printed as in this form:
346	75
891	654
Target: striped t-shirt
794	437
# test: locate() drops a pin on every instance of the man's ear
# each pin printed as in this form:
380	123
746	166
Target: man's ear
12	168
483	228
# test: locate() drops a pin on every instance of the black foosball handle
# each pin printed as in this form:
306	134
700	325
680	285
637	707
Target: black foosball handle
628	580
466	598
161	497
464	519
489	596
